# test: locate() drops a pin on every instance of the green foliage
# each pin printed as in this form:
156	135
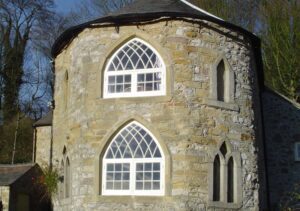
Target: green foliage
277	22
24	141
290	199
281	46
49	181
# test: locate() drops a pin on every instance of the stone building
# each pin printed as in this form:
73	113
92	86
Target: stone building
158	106
19	191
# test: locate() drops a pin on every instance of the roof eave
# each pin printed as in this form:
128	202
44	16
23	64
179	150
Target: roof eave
135	18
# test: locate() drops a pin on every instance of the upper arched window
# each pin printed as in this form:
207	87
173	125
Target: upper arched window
133	163
135	70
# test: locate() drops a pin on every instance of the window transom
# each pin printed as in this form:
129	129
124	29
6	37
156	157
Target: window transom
135	70
133	163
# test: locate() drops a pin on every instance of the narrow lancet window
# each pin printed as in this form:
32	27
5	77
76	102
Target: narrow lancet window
217	178
221	81
230	179
67	181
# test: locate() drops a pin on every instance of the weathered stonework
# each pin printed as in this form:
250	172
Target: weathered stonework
185	121
282	131
4	197
43	135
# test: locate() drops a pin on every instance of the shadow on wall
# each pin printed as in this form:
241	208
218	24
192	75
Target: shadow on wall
282	134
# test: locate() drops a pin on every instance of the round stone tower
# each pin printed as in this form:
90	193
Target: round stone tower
157	108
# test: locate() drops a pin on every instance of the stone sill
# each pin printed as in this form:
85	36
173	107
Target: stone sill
224	205
65	201
131	100
128	199
222	105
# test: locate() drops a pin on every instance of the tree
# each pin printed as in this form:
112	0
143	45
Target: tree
18	19
281	46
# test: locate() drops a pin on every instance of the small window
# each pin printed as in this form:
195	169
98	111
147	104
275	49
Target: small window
221	81
230	180
217	178
225	177
135	70
133	163
297	151
67	176
64	185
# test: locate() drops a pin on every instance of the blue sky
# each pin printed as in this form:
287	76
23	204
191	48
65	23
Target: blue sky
65	5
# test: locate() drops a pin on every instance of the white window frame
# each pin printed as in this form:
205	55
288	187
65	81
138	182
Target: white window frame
133	162
297	155
134	73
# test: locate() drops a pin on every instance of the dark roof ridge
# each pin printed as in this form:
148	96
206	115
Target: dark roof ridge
146	10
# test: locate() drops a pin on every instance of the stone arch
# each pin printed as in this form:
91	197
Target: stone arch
106	140
227	156
164	54
227	81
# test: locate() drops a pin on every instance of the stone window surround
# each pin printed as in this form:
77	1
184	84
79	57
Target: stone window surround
223	184
66	90
132	162
104	144
297	154
133	73
166	58
228	102
63	170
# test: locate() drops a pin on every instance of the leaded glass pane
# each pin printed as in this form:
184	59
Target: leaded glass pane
135	55
133	157
133	142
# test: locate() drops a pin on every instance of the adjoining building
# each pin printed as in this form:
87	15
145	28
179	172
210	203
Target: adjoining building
20	190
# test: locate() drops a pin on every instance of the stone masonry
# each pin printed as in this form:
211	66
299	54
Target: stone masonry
186	122
4	197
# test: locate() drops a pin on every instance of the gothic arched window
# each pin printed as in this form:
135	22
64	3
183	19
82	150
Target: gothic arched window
225	178
133	163
64	186
217	178
67	180
230	180
221	81
135	70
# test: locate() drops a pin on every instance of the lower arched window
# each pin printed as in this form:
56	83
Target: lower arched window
225	178
133	163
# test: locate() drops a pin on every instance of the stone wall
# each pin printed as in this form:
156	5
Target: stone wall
4	197
191	127
43	144
282	131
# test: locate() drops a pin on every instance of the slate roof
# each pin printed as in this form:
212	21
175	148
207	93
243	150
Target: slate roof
145	10
45	121
11	173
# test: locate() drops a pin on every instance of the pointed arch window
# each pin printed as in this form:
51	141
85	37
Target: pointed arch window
217	178
135	70
221	81
133	163
222	85
226	173
65	179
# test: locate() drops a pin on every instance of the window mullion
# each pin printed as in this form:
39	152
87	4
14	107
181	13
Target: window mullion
132	177
134	82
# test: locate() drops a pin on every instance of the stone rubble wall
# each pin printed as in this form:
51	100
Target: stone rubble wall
282	131
191	128
43	144
4	197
